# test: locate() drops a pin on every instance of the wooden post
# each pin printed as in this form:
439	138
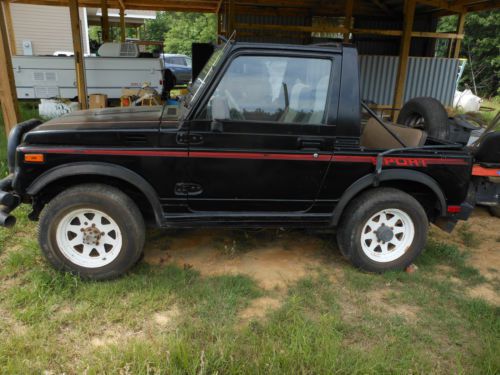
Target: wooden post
8	96
219	29
450	47
231	23
218	14
348	19
77	47
460	30
10	28
104	21
404	52
122	25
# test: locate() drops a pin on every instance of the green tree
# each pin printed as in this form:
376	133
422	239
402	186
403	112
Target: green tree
157	28
187	28
179	30
481	45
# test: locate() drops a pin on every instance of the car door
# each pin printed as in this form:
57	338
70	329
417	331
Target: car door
260	142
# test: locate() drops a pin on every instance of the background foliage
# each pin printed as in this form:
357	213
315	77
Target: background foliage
482	46
180	30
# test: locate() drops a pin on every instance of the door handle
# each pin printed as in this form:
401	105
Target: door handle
189	138
311	143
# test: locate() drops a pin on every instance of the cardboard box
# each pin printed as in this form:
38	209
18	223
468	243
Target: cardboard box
98	101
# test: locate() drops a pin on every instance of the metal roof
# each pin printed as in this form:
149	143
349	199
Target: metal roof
311	7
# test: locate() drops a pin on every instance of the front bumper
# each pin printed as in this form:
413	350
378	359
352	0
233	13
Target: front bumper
8	202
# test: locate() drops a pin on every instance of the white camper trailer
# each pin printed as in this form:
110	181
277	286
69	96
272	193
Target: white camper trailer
118	66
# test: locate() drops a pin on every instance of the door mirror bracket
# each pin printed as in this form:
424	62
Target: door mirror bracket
216	126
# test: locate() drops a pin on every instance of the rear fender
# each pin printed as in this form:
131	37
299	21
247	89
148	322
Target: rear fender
367	181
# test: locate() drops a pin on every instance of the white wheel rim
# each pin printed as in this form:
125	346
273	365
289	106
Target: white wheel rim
89	238
387	235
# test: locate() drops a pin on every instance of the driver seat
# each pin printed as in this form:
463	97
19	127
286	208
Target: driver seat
377	137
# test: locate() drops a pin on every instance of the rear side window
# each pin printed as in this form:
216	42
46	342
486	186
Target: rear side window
278	89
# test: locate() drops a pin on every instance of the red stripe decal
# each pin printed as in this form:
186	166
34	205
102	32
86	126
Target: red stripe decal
258	156
74	151
388	160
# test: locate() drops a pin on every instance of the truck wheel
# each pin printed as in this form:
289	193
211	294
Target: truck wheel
495	211
427	114
383	229
94	231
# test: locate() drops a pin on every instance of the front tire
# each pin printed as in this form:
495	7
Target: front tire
382	230
92	230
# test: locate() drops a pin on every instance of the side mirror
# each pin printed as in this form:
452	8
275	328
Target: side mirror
217	126
220	112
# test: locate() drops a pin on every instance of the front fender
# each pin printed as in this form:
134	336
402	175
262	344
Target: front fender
99	169
388	175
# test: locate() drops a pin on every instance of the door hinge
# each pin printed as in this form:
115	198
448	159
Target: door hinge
187	188
184	138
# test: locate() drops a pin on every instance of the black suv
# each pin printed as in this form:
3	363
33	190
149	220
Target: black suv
269	135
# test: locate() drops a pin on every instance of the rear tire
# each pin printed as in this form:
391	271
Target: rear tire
383	229
427	114
92	230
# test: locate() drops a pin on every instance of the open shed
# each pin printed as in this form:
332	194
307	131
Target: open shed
395	38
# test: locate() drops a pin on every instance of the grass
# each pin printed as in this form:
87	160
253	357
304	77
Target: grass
494	104
173	320
468	237
394	323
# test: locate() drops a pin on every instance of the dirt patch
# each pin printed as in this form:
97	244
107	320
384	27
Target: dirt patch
486	292
259	308
117	334
10	323
485	255
380	299
166	319
273	259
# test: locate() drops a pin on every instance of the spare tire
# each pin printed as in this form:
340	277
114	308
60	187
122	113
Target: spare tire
427	114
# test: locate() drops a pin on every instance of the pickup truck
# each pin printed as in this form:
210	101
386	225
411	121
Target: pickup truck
269	136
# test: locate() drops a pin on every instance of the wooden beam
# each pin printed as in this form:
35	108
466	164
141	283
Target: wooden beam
442	4
404	52
122	4
344	30
8	96
219	6
104	21
78	50
348	19
460	30
10	28
296	28
382	6
122	25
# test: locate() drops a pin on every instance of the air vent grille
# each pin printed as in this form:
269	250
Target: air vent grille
45	92
128	50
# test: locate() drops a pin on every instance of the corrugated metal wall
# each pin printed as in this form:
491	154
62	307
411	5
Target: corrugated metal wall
389	45
427	76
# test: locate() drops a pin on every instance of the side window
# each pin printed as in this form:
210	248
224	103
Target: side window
280	89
